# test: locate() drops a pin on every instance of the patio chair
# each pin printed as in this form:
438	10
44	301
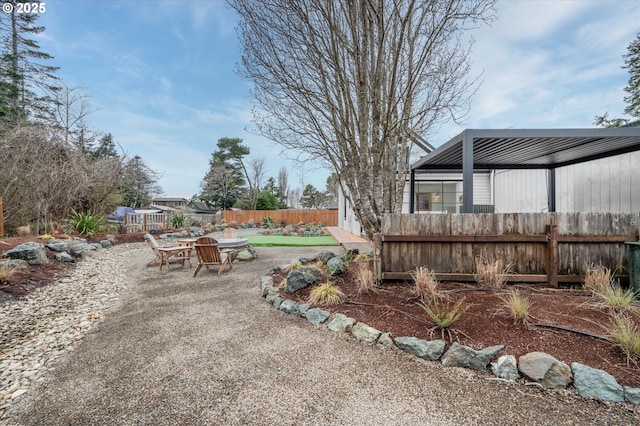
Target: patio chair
210	255
163	254
229	233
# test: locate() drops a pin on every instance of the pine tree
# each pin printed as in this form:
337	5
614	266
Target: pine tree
632	64
25	81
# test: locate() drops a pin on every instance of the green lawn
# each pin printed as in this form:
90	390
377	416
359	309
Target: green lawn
282	241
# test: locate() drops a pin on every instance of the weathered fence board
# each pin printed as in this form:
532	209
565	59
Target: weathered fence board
540	247
1	219
289	217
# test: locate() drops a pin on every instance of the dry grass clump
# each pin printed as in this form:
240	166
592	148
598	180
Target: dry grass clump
293	266
6	272
624	332
326	294
491	274
425	283
23	231
364	278
361	257
518	305
615	298
597	278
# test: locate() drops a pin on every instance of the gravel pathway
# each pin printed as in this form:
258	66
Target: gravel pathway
131	345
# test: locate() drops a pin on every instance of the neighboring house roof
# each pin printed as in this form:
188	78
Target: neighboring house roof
632	124
169	200
200	206
161	208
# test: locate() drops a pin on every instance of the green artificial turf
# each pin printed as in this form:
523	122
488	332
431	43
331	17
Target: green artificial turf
282	241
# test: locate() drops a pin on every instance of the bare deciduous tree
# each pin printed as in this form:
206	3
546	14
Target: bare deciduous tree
348	82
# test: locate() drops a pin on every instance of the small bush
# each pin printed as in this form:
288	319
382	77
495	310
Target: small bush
267	220
361	257
46	237
85	223
425	283
6	272
293	266
491	274
625	334
364	278
178	220
517	305
443	311
597	279
326	294
23	231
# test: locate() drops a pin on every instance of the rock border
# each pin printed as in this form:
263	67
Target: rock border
537	367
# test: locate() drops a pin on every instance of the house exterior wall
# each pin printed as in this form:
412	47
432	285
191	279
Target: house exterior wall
604	185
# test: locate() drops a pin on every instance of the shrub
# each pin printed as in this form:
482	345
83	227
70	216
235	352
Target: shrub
326	294
178	220
517	305
266	220
597	278
625	334
364	278
23	231
425	283
360	257
491	274
85	223
6	272
443	311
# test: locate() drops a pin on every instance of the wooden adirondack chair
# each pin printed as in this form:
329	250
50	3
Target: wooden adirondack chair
163	254
230	233
210	255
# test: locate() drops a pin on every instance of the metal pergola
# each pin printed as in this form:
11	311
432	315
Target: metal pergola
477	149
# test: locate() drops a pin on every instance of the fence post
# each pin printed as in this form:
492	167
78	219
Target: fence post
377	261
552	254
144	222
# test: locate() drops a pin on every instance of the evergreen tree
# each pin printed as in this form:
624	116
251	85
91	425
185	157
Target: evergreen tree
139	183
25	81
224	182
312	198
106	148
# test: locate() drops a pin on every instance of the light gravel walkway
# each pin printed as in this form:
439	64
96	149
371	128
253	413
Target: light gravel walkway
208	351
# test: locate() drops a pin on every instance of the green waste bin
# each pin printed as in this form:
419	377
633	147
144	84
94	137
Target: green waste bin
634	266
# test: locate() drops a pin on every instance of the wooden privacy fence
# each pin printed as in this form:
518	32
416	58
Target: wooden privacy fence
290	217
145	222
541	247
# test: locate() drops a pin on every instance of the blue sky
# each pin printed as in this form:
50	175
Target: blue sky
162	74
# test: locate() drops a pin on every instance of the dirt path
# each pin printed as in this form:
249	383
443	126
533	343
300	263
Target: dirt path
209	350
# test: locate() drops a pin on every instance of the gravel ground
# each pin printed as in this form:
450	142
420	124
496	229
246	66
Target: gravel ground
208	350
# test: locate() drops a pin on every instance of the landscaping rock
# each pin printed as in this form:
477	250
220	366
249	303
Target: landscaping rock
244	255
325	256
14	263
632	395
506	368
290	307
271	295
336	266
33	253
426	349
301	278
63	257
59	246
594	383
463	356
317	316
277	301
545	369
365	333
386	340
341	323
105	244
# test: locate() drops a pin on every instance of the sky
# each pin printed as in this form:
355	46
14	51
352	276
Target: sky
162	76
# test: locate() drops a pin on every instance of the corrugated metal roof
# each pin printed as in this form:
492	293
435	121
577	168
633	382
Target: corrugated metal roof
531	148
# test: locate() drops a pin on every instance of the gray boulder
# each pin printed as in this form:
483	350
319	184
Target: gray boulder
317	316
341	323
63	257
244	255
386	340
426	349
594	383
277	301
325	256
105	244
59	246
545	369
33	253
365	333
506	368
336	266
632	395
463	356
272	294
301	278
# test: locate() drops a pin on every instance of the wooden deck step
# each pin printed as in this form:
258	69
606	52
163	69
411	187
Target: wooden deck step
343	236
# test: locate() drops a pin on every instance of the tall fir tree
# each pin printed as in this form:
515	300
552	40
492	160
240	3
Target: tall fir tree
25	79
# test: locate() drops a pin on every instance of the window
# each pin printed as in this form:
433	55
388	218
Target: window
438	196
